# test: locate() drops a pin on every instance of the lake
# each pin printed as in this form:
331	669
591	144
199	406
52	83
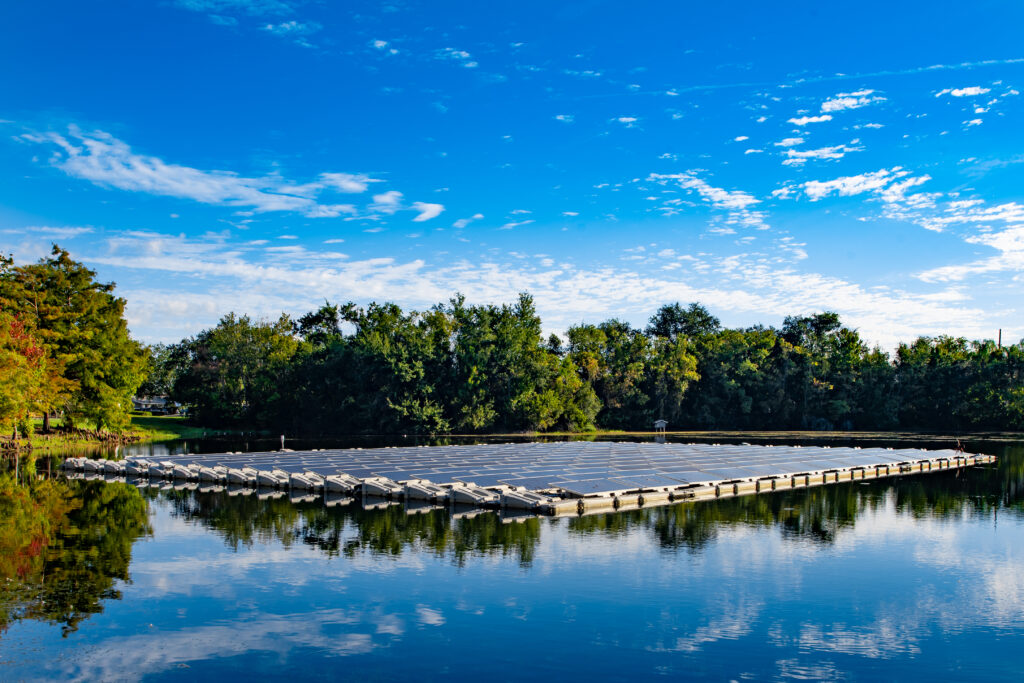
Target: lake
918	576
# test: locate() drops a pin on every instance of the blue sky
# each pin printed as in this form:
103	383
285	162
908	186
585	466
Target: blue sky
265	155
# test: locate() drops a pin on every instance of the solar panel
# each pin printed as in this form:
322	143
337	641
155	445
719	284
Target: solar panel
533	483
585	487
653	481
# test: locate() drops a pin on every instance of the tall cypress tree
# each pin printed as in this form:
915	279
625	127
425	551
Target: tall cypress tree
81	325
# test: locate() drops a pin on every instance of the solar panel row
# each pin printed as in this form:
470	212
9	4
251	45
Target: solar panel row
578	467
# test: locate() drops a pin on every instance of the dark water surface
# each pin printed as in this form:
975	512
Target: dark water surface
913	577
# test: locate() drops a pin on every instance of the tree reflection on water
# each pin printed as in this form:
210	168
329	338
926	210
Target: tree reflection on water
65	545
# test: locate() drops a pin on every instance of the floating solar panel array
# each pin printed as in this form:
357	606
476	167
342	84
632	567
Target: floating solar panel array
533	475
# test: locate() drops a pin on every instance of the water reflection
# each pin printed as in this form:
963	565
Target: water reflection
347	530
64	545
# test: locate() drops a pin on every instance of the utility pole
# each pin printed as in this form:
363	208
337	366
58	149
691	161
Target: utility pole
1000	342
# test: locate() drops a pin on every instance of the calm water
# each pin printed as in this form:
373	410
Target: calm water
920	576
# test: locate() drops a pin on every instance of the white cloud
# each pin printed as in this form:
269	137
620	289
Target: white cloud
735	202
570	213
426	211
740	138
106	161
852	100
627	121
387	202
799	157
515	224
565	118
461	57
250	7
971	91
463	222
847	186
981	220
293	28
789	142
240	278
347	182
804	120
61	233
718	197
383	46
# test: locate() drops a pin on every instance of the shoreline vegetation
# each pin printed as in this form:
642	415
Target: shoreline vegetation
141	429
483	371
154	429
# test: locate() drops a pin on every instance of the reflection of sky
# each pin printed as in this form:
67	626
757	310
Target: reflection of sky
895	596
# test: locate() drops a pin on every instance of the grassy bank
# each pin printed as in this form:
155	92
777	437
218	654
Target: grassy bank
143	429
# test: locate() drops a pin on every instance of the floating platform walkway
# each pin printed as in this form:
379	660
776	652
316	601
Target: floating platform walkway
560	478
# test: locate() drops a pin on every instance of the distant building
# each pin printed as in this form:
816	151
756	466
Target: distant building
157	405
659	425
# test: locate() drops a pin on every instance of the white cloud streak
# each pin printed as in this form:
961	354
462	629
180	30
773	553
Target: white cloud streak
972	91
240	277
804	120
108	162
851	100
426	211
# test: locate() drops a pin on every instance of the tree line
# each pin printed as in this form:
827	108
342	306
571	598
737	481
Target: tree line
484	368
344	369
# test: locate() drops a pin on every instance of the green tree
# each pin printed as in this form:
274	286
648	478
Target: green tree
161	371
673	321
81	325
239	372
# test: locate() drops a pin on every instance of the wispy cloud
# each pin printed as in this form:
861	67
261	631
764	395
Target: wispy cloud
736	203
106	161
461	57
972	91
515	224
383	46
463	222
296	30
804	120
61	233
241	278
851	100
257	8
847	186
789	142
426	211
797	157
249	13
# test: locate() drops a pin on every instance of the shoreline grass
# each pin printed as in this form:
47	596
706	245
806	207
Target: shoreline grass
157	428
143	429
